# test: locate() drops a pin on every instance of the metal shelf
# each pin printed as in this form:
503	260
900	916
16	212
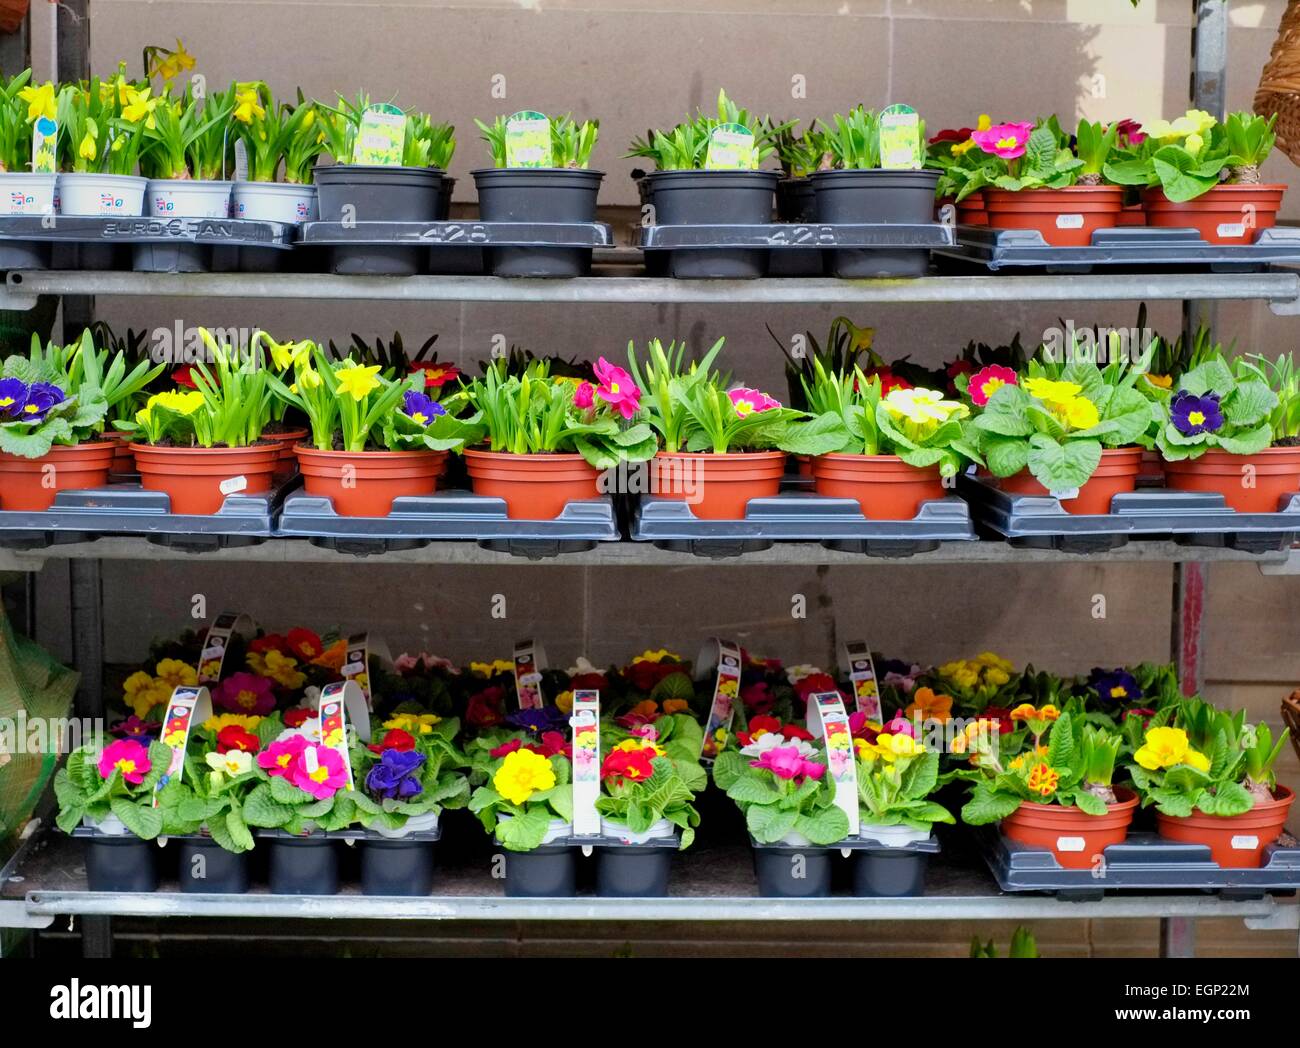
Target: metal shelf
1281	289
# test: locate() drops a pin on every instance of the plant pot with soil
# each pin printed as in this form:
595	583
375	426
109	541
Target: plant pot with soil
547	439
52	407
1210	775
538	176
1198	173
707	174
1053	789
373	439
106	787
1073	430
796	201
718	447
888	453
28	179
1234	429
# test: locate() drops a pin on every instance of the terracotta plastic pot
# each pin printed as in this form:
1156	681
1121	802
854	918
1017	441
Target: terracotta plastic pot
288	439
1074	837
1248	483
31	484
803	465
197	480
1223	215
1233	840
1065	217
1152	468
364	483
885	486
534	487
123	459
971	211
718	487
1132	215
1117	473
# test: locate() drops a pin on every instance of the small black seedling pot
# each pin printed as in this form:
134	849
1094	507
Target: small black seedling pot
796	202
303	865
889	873
452	260
171	258
538	194
786	871
119	864
206	867
871	196
374	193
548	871
398	865
635	871
696	198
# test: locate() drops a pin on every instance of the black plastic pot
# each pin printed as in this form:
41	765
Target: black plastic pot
171	258
23	254
108	257
393	866
792	872
537	194
370	193
796	202
634	871
889	873
206	867
549	871
700	198
303	865
869	196
453	260
121	864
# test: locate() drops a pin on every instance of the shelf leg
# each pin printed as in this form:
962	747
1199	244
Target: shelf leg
1189	626
97	937
1177	937
88	634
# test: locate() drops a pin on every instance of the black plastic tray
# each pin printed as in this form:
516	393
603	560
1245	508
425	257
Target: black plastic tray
1131	246
417	520
228	232
799	516
128	509
929	235
458	234
1144	862
1190	517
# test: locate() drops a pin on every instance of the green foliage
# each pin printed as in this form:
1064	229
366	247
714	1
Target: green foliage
776	807
442	780
853	141
665	795
82	792
896	793
1023	943
686	146
15	127
1246	401
428	144
523	827
1282	379
189	136
800	155
571	143
1191	155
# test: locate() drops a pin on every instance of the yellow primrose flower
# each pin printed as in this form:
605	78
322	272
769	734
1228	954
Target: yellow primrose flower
1162	748
522	774
357	381
1194	143
1197	760
657	656
141	692
415	723
1081	413
177	674
991	659
866	751
922	406
962	148
283	670
231	720
893	746
40	101
232	762
491	669
564	701
1163	381
248	106
996	676
1052	392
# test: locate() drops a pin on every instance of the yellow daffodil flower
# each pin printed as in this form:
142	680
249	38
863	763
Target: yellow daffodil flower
140	106
88	149
357	381
40	101
248	106
1162	748
522	774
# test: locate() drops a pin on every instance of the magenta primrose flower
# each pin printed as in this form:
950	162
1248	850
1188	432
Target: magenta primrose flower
900	725
584	395
786	762
318	770
247	693
746	401
1005	140
617	388
127	756
280	756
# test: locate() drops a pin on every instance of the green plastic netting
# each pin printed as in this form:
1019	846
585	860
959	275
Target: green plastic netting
33	688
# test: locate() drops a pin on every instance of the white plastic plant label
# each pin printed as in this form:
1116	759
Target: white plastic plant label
1235	230
1069	221
826	711
1070	844
731	148
1065	494
361	648
231	485
241	161
528	140
862	676
381	138
530	661
45	132
726	690
584	719
217	640
1244	842
187	706
338	703
900	139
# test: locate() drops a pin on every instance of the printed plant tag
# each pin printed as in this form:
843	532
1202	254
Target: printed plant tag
528	140
585	721
241	160
233	484
338	702
361	648
862	676
1069	221
381	137
726	689
187	706
1070	844
826	710
1232	229
45	133
213	656
1065	494
900	139
731	148
530	660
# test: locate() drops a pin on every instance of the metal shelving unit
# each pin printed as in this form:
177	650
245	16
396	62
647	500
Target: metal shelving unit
45	878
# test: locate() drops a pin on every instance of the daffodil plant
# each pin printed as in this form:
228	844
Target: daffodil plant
1283	380
1055	420
276	134
801	154
1213	408
850	416
853	140
526	794
410	769
112	778
186	137
571	143
102	125
428	144
782	786
896	777
686	147
1194	757
20	105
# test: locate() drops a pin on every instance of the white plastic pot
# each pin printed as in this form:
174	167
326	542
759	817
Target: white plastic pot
795	840
110	825
274	202
23	193
415	824
558	829
105	196
187	198
658	831
893	836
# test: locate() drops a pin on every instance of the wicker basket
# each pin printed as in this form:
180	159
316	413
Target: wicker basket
1291	718
1279	83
